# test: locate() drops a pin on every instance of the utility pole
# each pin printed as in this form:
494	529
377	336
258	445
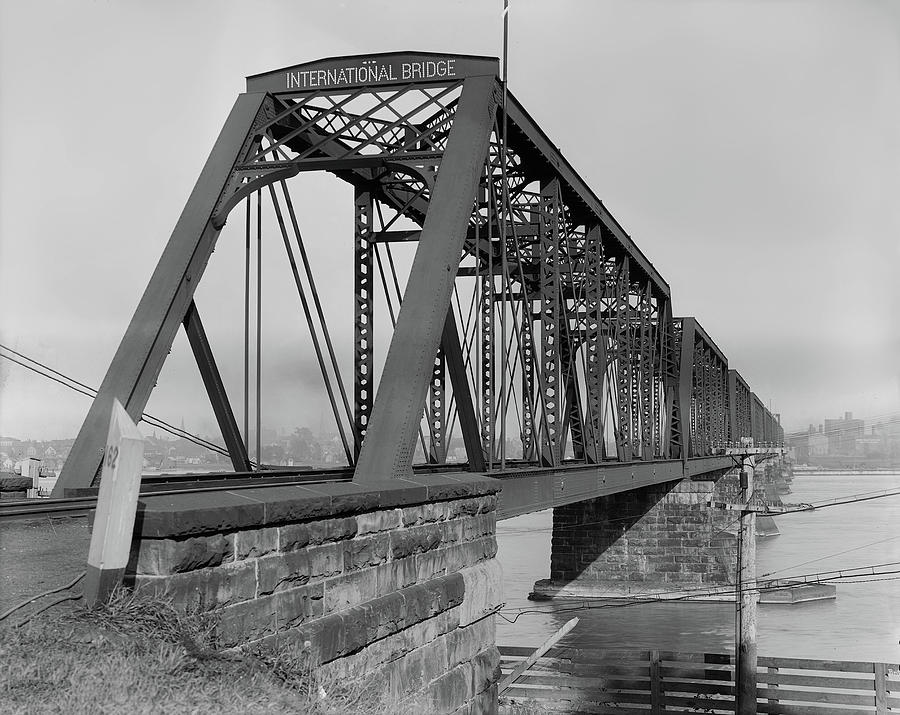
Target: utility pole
745	631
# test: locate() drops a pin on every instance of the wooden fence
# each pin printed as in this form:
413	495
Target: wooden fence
573	680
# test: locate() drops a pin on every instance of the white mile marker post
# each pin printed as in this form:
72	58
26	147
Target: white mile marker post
120	482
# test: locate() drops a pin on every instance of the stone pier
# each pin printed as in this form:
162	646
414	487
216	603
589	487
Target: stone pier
395	581
657	541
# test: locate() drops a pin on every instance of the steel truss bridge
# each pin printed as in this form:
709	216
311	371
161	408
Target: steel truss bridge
528	324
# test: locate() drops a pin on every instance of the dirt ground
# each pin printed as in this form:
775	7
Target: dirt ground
37	555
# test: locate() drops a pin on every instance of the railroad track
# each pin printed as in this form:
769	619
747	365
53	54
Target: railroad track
77	506
166	484
162	484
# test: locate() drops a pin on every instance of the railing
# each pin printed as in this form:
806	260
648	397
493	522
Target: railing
656	681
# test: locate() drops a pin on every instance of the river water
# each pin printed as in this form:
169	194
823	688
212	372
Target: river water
862	623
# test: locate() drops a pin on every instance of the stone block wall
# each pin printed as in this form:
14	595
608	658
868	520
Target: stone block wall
657	539
395	581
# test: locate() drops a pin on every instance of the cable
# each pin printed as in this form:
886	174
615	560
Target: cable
47	367
35	370
62	599
831	502
15	608
699	592
829	556
854	499
726	589
92	393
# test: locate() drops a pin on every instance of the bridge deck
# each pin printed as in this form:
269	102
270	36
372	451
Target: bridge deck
531	490
524	489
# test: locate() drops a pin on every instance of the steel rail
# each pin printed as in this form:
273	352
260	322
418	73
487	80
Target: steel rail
77	506
174	484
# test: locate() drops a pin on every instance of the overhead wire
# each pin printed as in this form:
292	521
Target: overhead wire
840	501
815	506
674	596
83	389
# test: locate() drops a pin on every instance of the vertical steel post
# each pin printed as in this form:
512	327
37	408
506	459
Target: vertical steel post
595	345
645	378
363	292
528	426
732	436
722	395
259	459
674	436
486	303
247	328
437	410
551	316
745	645
503	205
685	385
701	401
623	364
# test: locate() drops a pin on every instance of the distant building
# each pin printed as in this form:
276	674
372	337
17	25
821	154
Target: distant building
818	443
843	433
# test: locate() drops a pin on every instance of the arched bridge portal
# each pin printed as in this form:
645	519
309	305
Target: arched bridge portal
529	324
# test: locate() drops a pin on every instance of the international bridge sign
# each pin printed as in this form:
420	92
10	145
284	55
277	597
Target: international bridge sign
372	70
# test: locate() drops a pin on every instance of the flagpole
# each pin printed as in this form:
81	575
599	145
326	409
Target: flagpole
505	47
503	212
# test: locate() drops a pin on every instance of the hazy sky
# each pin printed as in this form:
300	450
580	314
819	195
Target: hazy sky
752	149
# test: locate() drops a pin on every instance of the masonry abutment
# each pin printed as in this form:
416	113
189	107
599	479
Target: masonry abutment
661	541
395	582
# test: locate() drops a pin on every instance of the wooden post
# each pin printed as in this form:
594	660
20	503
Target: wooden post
745	637
773	686
120	482
657	691
881	691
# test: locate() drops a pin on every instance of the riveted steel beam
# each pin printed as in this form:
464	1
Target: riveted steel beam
685	383
525	131
363	314
215	388
528	490
387	451
550	374
148	338
456	371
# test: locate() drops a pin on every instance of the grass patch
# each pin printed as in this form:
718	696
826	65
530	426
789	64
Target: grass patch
142	655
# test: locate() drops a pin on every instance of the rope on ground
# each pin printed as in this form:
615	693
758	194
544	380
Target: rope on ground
15	608
62	599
